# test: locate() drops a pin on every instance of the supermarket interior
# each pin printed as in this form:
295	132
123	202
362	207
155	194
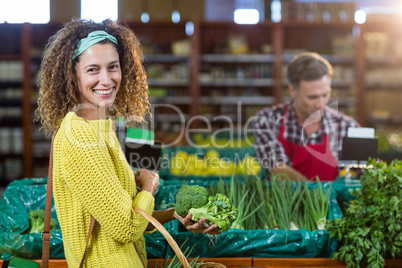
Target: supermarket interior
290	109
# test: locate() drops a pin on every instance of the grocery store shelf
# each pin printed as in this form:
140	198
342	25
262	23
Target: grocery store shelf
391	85
11	57
245	58
383	60
225	118
393	121
344	101
10	155
170	100
11	103
341	83
248	82
243	100
165	58
171	117
333	59
334	83
165	82
10	83
11	122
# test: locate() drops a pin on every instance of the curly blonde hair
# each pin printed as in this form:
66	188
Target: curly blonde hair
57	81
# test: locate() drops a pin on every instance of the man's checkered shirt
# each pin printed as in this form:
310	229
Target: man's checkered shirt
267	128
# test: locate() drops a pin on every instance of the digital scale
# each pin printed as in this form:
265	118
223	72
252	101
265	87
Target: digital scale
357	147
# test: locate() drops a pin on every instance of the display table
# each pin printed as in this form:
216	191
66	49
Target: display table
255	262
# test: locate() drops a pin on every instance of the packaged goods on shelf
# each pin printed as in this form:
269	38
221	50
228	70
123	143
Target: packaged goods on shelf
12	168
181	47
11	71
384	77
238	45
211	159
175	71
377	44
11	140
5	137
318	11
343	46
384	104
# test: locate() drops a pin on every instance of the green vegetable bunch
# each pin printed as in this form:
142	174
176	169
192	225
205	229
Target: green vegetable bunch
37	220
217	211
188	197
371	228
276	204
196	200
175	262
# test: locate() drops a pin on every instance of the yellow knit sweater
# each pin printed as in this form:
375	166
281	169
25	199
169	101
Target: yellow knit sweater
92	177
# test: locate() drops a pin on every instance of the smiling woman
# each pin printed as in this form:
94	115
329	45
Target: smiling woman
98	79
90	73
84	57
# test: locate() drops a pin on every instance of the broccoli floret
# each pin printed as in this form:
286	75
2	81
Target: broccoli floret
37	221
217	211
187	197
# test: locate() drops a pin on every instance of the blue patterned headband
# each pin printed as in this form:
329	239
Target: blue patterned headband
92	39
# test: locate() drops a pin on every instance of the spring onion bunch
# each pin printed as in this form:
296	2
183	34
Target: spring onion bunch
276	204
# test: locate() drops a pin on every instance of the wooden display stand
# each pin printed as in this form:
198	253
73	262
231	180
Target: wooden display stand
255	262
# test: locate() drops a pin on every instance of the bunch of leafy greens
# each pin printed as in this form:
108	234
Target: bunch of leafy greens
370	230
37	220
216	209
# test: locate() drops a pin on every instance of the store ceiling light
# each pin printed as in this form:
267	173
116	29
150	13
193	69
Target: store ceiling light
189	28
144	17
276	11
360	16
176	16
246	16
105	9
33	11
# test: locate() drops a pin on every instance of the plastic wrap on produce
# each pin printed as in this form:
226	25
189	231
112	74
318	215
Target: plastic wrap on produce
19	198
25	195
260	243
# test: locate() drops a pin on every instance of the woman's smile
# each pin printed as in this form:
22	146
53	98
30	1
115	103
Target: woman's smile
99	79
104	93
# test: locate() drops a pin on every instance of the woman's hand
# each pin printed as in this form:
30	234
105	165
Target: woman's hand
147	181
197	227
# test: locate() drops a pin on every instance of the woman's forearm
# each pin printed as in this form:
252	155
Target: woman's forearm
163	216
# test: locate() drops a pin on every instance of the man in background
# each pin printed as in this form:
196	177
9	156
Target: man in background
303	137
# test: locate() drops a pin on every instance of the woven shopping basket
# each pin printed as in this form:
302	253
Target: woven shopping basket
173	243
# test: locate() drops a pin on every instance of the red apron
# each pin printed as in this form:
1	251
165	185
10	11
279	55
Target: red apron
312	159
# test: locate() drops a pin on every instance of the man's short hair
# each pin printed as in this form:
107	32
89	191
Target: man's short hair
307	66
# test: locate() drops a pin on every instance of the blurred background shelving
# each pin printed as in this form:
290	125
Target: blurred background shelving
220	71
